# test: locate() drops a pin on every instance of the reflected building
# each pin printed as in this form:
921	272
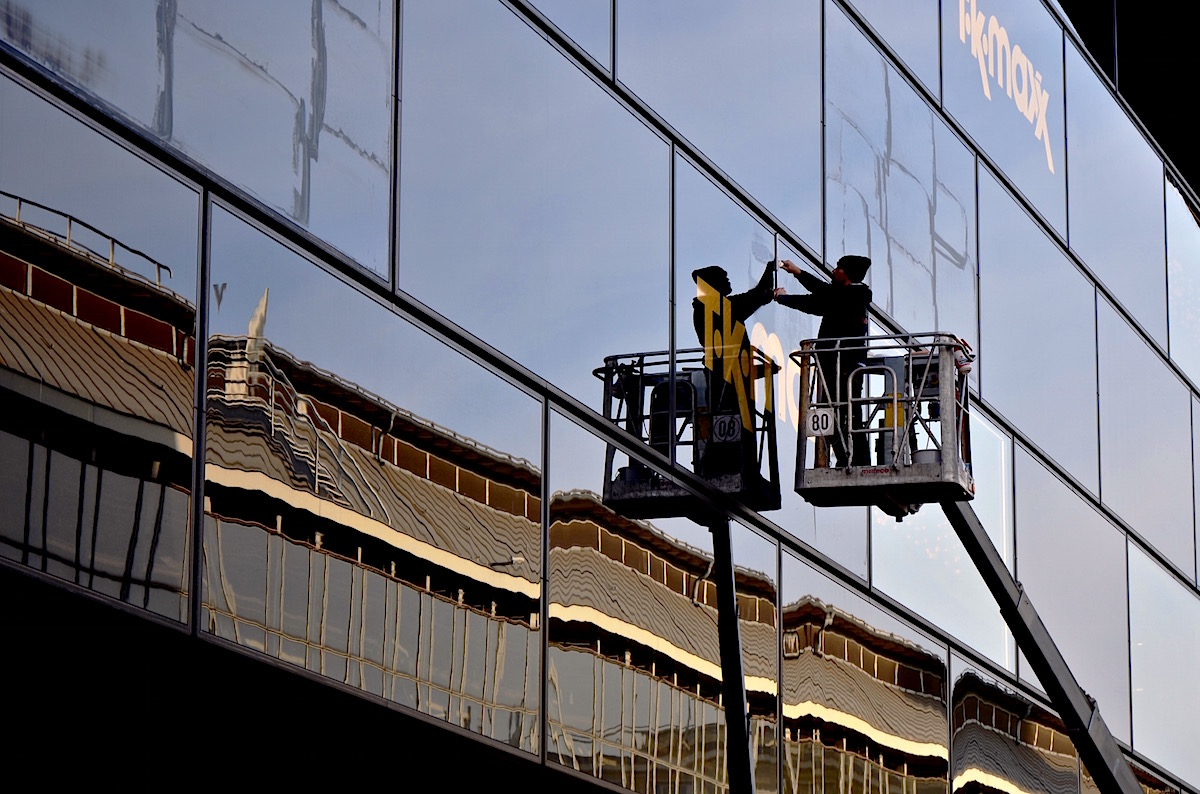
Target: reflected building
301	425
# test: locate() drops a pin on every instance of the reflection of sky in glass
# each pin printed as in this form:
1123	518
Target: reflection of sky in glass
1163	653
1037	357
900	188
1116	206
531	200
1145	462
910	29
1004	125
48	157
1183	283
1072	563
587	22
921	562
303	117
741	82
317	319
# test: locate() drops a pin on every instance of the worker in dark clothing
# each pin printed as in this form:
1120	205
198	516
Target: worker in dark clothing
842	306
728	387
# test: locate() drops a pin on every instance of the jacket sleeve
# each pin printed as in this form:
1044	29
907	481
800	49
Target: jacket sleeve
812	283
809	304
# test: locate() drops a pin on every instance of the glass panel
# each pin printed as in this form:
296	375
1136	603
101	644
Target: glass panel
1037	323
1002	741
94	195
1196	478
632	610
1183	282
863	693
1116	198
922	563
418	473
587	22
1163	653
1145	461
900	189
1071	561
911	30
1116	206
756	560
741	82
712	230
97	274
1002	77
303	119
557	207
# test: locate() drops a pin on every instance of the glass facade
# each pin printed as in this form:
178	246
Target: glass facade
320	366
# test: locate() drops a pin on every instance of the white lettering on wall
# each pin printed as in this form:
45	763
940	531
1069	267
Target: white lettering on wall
1009	66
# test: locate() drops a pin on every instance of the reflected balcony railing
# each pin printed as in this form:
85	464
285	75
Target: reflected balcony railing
242	373
70	238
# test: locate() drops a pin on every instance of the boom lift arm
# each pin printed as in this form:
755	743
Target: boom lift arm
1093	741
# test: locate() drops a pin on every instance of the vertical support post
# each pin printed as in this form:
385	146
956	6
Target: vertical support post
733	684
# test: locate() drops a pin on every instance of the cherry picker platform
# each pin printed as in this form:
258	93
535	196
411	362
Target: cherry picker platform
885	422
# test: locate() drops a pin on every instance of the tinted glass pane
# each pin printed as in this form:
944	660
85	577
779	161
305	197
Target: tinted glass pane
1116	198
1164	646
1002	77
911	31
531	200
713	230
863	693
635	665
742	84
1037	323
587	22
135	215
922	563
304	116
1003	741
1183	283
900	188
757	559
1072	563
1145	462
425	472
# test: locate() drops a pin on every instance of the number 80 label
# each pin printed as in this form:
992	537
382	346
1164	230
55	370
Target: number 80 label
820	421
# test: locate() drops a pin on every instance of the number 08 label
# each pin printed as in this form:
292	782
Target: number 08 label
820	421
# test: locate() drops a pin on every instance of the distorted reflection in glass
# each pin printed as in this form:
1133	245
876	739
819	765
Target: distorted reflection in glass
864	695
1116	207
742	83
1071	561
1145	464
587	22
1183	282
1037	317
91	194
900	188
922	563
97	274
1002	78
634	667
303	117
373	497
1003	741
911	31
756	565
1163	653
534	208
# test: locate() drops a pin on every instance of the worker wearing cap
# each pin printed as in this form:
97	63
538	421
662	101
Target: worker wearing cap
842	305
